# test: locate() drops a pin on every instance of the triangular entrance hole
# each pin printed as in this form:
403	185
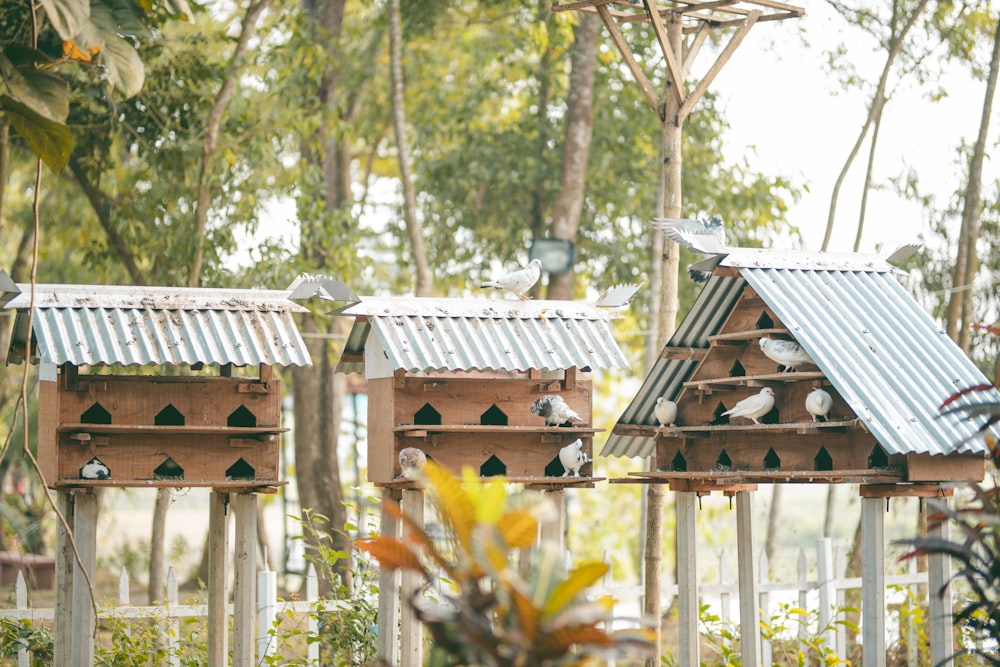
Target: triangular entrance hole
765	321
95	414
822	460
168	470
678	463
771	460
241	417
493	467
169	416
493	417
427	416
737	370
723	462
878	459
240	470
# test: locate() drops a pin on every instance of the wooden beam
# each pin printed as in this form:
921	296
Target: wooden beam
218	582
640	78
82	619
939	607
905	491
687	579
750	649
61	629
244	579
684	353
873	582
674	72
702	87
388	592
411	631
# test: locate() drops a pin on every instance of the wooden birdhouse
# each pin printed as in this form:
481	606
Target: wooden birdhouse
883	363
109	415
457	379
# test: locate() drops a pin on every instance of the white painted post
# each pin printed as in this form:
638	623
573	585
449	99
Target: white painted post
724	595
826	588
217	620
388	593
872	582
124	590
312	595
267	611
173	625
21	602
411	640
765	607
62	630
82	622
803	571
840	567
747	576
245	569
687	579
938	576
907	613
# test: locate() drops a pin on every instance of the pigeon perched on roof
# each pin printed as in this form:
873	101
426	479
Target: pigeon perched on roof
818	404
572	457
786	352
554	410
411	462
95	469
518	282
753	407
707	237
665	411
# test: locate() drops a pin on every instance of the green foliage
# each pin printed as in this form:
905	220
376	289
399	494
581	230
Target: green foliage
17	635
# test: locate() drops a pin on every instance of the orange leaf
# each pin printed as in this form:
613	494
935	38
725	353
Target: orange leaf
73	52
518	528
392	554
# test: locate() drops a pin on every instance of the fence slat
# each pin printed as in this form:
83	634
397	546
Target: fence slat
21	600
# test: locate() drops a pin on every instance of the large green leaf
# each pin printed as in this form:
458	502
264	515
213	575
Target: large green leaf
124	66
67	16
41	90
49	140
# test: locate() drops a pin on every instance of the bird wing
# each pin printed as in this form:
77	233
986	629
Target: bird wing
618	296
692	234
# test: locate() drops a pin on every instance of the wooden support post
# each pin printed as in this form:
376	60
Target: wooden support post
552	531
687	579
411	640
388	594
825	575
747	575
64	584
82	622
245	570
873	582
939	606
218	582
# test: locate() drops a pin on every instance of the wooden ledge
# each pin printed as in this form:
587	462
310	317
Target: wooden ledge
733	477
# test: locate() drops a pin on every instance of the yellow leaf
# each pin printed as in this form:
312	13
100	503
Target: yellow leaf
518	529
453	502
527	613
392	554
578	580
73	52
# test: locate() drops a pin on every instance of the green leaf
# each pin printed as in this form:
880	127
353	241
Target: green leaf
49	140
67	16
41	90
123	65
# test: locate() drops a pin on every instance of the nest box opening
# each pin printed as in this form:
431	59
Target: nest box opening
718	418
493	417
427	416
168	470
822	461
771	460
737	370
169	416
95	414
493	467
765	321
95	469
772	417
723	462
878	459
241	417
240	470
678	463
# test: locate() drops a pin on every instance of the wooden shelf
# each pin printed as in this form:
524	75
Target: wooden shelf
706	430
709	385
148	429
423	430
729	477
738	337
550	482
255	485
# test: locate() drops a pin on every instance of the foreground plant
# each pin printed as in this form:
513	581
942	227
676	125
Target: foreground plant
499	614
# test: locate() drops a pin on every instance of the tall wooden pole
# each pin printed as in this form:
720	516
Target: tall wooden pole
245	578
218	582
85	533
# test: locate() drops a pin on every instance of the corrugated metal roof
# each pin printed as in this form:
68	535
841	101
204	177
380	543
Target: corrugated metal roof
424	334
887	358
96	324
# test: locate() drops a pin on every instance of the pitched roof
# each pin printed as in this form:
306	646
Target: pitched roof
888	359
427	334
110	324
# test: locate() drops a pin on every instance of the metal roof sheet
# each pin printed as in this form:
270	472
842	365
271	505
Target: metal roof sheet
888	359
428	334
96	324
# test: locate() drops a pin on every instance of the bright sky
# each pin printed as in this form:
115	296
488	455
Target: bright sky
778	100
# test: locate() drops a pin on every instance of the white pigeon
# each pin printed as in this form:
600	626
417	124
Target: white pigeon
818	404
554	410
665	411
753	407
95	469
518	282
572	457
411	462
707	237
786	352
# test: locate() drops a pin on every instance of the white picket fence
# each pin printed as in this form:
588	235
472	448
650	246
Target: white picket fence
820	590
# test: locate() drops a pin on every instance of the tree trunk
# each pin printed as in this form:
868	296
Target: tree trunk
576	148
866	188
959	313
423	272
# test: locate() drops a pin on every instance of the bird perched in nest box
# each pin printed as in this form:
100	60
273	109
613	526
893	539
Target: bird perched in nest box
665	411
411	462
786	352
518	282
554	410
818	404
753	407
572	457
95	469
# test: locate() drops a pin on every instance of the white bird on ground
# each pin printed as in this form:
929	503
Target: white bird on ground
818	404
554	410
411	462
786	352
572	457
753	407
95	469
518	282
665	411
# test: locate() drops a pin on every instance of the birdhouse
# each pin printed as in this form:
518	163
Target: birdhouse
110	416
804	367
500	386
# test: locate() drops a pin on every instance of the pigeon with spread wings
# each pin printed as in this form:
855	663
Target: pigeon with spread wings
707	237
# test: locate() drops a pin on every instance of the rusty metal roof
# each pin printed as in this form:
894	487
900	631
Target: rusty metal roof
885	356
428	334
109	324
